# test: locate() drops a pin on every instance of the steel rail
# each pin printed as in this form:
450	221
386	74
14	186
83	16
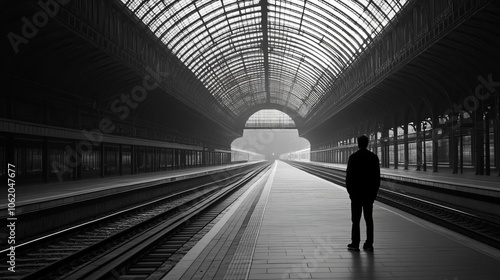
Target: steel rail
114	262
27	253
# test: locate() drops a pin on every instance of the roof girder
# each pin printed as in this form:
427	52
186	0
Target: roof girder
301	46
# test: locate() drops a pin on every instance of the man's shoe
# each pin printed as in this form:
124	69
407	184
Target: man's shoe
368	247
352	247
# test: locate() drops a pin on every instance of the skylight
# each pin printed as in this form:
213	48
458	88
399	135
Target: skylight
309	44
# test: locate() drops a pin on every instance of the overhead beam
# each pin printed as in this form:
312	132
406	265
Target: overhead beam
265	48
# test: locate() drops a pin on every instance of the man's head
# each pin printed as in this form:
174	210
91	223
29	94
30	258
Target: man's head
362	142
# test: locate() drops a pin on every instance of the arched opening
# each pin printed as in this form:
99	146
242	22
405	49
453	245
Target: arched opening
272	134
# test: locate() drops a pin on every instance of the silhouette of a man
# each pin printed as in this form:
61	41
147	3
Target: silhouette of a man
362	183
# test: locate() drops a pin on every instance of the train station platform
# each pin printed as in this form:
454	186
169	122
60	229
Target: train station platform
32	197
443	176
298	227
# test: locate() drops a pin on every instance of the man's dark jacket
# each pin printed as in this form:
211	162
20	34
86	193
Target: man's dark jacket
363	176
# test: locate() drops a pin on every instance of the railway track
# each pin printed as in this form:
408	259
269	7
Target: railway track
483	229
139	228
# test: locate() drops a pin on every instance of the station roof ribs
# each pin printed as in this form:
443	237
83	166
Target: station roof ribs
287	56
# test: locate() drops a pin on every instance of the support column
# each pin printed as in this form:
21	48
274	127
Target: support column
156	158
487	170
172	158
405	142
448	131
479	142
330	151
418	139
341	154
133	158
120	159
152	156
344	152
79	166
383	146
102	160
395	142
453	142
424	148
45	161
386	144
346	149
496	130
74	166
337	150
435	138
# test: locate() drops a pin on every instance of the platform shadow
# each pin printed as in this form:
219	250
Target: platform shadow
362	264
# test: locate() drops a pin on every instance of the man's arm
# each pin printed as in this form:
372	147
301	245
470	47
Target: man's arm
376	175
348	177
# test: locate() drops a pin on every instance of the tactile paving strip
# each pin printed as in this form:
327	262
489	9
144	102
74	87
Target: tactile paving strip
239	267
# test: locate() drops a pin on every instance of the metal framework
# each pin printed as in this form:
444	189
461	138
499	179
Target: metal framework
285	53
269	119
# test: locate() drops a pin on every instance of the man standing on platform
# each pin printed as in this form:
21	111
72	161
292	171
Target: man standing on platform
362	183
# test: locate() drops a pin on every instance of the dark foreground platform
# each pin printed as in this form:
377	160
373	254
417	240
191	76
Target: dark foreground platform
298	226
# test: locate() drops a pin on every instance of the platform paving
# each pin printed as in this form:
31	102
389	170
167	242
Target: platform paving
304	228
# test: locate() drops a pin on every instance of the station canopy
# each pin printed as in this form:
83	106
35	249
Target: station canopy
287	56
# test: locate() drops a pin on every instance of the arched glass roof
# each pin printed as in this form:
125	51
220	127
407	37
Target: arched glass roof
289	54
270	119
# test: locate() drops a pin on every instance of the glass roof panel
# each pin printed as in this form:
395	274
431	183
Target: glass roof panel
270	119
306	44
